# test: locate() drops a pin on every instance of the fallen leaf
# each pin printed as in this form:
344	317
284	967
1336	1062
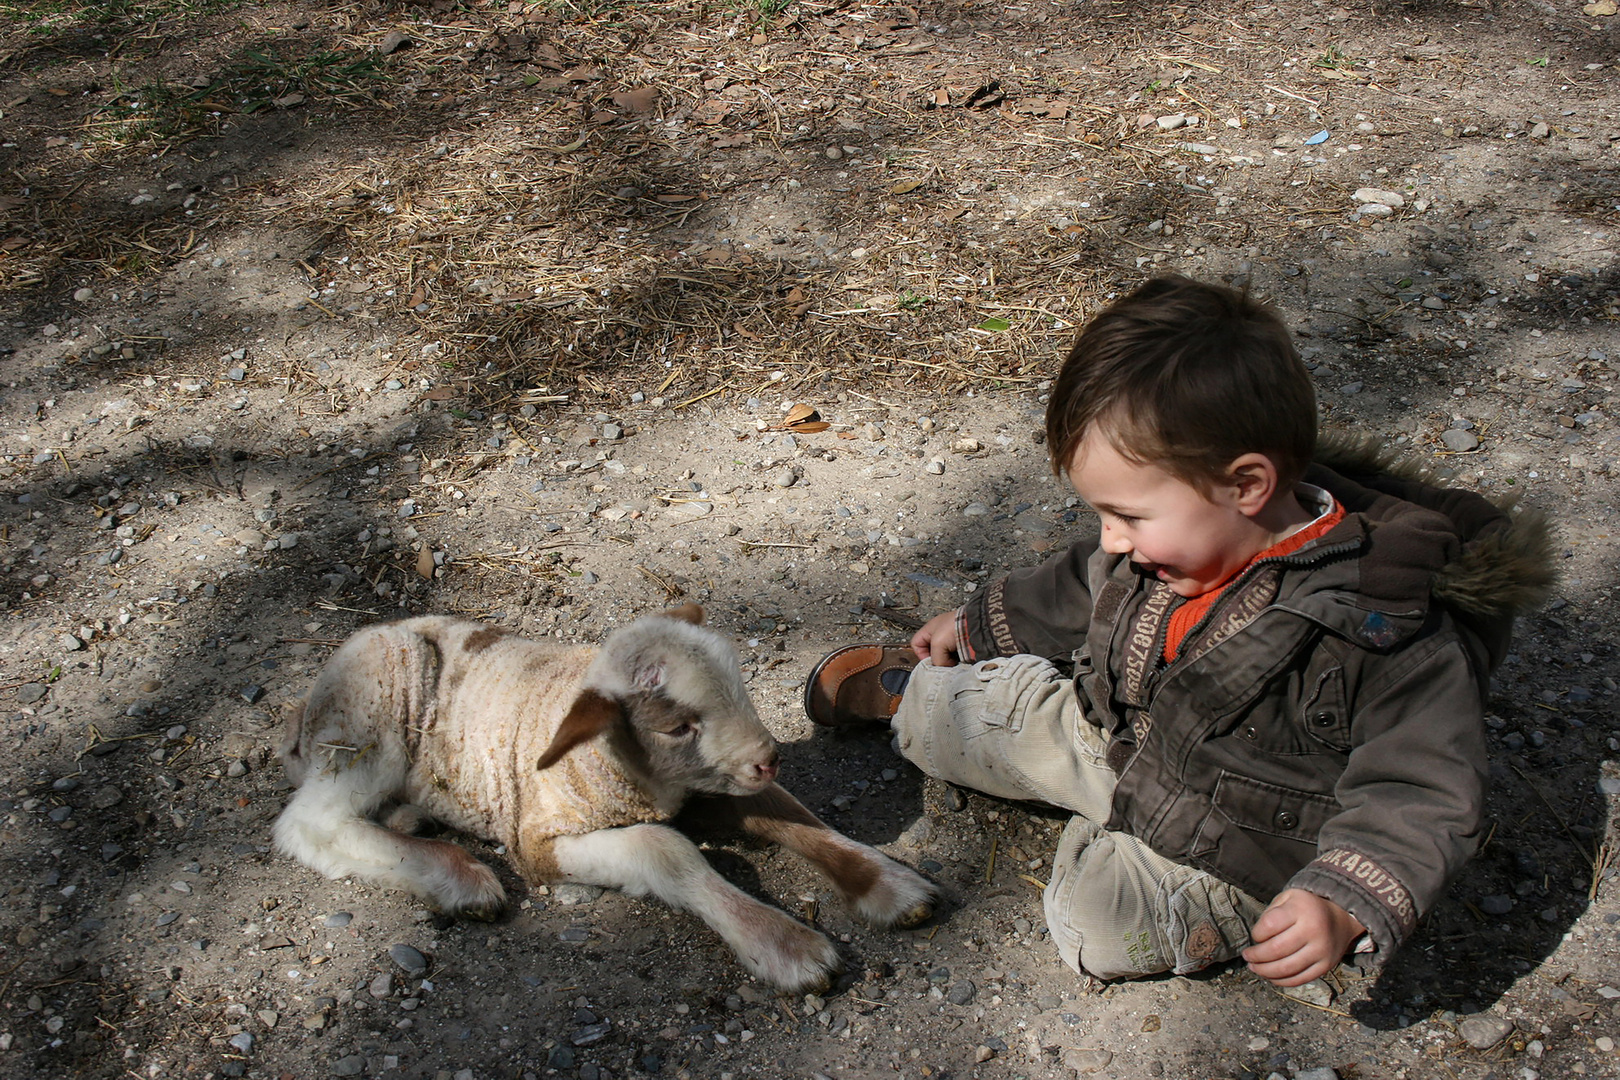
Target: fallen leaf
995	323
800	413
1600	8
907	186
439	393
424	563
58	91
845	434
418	296
942	96
636	102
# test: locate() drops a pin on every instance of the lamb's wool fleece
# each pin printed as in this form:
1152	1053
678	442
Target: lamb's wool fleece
467	710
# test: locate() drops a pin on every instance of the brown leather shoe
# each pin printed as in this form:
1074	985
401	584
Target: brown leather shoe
858	684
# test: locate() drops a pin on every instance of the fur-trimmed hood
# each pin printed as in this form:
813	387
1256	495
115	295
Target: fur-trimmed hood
1486	560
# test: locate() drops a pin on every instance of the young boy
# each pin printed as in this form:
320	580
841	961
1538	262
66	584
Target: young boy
1259	691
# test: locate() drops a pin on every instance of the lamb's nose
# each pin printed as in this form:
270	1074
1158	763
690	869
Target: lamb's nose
767	770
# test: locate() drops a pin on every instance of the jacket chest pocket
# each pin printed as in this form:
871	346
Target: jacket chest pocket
1283	812
1324	712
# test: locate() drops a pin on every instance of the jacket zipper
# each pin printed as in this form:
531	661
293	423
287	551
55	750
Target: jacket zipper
1312	558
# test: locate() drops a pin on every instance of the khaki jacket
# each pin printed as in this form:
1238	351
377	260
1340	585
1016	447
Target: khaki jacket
1322	728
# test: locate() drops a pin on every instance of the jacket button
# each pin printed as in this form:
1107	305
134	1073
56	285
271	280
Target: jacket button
1323	719
1287	819
1251	732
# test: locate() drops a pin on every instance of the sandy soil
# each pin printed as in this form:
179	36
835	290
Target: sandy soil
314	316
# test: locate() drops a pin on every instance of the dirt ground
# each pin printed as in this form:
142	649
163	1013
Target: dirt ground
314	315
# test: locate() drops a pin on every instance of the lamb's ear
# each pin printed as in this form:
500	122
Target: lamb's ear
692	613
591	714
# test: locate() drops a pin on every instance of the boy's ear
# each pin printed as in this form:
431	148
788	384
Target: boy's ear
1253	481
591	714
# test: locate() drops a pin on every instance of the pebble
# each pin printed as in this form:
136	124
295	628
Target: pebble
29	693
1379	197
242	1041
1375	210
1497	904
409	959
1319	1073
382	986
785	477
962	993
350	1065
81	295
1459	441
1085	1062
612	432
1484	1030
1315	992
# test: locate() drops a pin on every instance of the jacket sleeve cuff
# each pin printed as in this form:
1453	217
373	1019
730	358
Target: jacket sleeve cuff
982	628
1358	884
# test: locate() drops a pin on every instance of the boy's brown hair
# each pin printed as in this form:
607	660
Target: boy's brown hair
1186	376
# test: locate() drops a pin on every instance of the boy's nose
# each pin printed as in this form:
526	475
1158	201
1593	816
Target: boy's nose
1114	541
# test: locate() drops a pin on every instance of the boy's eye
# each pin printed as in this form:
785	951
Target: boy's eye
1125	519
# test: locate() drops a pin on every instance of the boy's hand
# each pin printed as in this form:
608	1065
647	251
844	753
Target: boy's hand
1300	937
936	641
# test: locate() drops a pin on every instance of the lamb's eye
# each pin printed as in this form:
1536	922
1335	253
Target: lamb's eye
680	732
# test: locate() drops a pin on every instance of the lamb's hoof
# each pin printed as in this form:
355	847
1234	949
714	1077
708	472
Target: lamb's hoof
901	899
483	914
916	916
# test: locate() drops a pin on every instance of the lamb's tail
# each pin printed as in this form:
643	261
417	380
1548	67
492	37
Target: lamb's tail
321	829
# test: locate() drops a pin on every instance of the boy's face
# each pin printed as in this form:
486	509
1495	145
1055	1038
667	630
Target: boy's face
1190	541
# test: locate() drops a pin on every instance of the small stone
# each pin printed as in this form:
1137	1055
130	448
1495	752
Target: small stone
236	374
785	477
1315	992
338	919
1085	1062
393	42
1171	122
81	295
1377	210
351	1065
382	986
1459	441
69	643
1484	1030
242	1041
251	693
1321	1072
612	432
287	541
935	467
29	693
1604	1044
1540	130
1350	389
1379	196
962	993
1497	904
410	960
982	1053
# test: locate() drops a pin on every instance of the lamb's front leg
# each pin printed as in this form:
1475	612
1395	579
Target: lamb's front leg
658	860
880	890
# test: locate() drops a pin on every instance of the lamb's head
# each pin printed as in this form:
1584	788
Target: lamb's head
668	694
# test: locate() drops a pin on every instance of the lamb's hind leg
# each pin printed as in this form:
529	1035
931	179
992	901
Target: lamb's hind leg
880	890
658	860
322	829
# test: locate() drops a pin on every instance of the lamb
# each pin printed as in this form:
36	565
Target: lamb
575	759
